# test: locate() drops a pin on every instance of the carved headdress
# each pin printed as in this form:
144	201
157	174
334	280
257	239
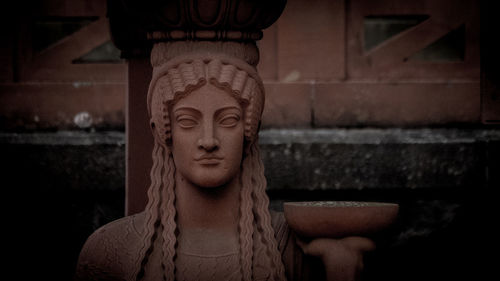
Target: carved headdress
181	67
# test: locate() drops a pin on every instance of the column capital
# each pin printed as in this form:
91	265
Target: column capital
136	25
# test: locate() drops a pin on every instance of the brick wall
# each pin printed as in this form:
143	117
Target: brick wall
325	64
372	63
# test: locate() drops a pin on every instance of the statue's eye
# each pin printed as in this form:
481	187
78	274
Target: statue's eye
186	122
229	120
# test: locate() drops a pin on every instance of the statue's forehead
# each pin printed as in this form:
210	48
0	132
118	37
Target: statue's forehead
207	98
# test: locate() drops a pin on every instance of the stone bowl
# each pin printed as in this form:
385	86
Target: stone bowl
338	219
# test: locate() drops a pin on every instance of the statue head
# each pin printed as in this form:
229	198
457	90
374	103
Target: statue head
228	66
207	136
205	101
219	81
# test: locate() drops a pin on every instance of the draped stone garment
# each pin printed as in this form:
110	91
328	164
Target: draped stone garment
110	253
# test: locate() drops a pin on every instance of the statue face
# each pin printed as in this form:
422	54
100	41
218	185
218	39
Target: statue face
207	136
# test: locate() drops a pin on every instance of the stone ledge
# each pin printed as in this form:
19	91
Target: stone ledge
62	161
322	159
377	136
362	159
64	138
279	136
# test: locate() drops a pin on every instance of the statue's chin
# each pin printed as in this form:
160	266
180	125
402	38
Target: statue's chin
210	180
212	184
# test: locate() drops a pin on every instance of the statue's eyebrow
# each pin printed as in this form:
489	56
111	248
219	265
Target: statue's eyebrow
220	110
187	109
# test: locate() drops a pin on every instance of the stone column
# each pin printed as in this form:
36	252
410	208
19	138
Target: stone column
135	26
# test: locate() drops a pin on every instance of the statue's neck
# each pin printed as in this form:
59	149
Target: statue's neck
207	218
207	208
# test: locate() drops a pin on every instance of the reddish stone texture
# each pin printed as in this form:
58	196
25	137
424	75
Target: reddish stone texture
389	60
310	41
288	105
396	104
45	89
34	106
6	51
55	63
268	64
490	82
71	8
339	218
490	101
139	136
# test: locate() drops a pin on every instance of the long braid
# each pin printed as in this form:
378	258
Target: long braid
245	224
152	212
168	214
263	217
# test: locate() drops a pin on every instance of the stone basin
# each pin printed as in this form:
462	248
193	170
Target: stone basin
337	219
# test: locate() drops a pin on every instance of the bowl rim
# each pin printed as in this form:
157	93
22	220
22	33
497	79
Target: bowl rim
343	204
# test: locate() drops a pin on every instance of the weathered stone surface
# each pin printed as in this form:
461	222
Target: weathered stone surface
65	161
493	164
287	106
60	188
390	60
56	106
401	104
374	159
294	159
320	57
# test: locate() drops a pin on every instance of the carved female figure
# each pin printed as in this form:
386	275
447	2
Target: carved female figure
207	217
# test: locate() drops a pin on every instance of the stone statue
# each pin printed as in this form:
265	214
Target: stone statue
207	217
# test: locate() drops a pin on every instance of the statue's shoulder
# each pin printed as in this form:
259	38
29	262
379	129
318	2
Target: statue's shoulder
121	231
110	252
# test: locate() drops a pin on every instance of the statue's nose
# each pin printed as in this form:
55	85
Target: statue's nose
208	144
208	141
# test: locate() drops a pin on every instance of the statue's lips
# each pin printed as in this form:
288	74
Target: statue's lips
209	160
